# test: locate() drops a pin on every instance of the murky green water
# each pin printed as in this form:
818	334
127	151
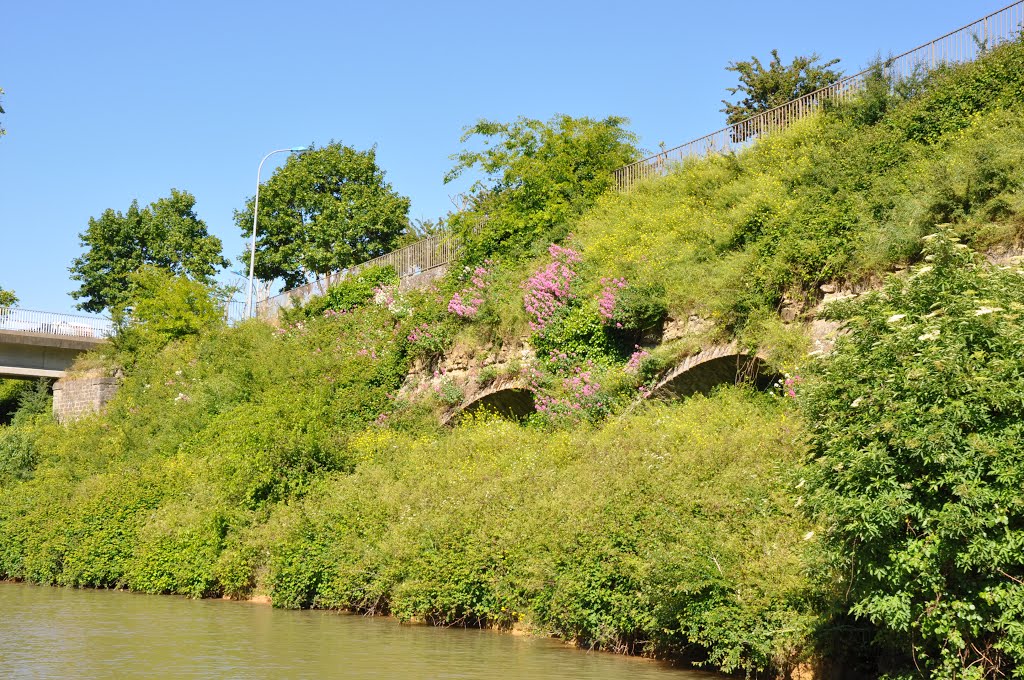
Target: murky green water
61	633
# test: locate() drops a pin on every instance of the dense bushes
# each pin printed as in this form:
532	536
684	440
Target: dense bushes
349	293
833	197
638	536
918	466
261	460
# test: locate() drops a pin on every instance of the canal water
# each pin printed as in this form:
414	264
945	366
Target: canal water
64	633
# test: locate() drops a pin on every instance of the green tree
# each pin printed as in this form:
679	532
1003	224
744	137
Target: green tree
535	175
167	233
8	298
323	211
161	306
765	88
917	423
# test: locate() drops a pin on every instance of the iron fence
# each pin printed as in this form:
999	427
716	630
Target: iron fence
52	323
963	45
434	251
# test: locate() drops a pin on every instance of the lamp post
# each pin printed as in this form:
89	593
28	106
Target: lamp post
255	212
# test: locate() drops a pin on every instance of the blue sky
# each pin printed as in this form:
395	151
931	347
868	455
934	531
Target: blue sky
110	101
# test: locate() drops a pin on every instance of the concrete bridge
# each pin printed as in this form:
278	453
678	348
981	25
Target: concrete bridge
44	344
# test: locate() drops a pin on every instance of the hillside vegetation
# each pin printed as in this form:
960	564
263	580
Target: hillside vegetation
867	516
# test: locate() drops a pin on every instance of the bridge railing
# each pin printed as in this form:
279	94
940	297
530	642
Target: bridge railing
53	323
434	251
963	45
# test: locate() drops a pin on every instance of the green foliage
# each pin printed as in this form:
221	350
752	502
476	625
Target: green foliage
765	88
349	293
323	211
577	332
8	298
612	549
167	234
161	307
536	176
839	196
916	424
33	401
287	462
639	309
18	455
10	394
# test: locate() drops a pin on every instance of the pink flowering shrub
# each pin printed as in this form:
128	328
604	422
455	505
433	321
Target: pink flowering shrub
606	300
466	303
635	359
580	397
428	339
548	291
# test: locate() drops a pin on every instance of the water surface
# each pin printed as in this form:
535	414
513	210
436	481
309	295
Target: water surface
64	633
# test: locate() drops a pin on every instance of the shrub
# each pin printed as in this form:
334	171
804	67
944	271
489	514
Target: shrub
161	307
348	294
916	425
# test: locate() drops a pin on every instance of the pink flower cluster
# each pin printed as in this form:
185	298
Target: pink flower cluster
331	313
635	359
580	399
371	352
548	290
606	300
384	296
420	332
466	303
789	384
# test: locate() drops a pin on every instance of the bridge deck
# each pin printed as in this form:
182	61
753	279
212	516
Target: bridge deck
43	344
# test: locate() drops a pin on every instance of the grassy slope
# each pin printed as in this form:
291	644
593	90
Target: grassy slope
249	461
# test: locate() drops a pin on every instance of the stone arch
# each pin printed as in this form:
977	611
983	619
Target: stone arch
720	365
513	401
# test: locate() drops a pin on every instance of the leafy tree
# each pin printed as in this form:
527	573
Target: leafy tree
536	175
323	211
8	298
167	233
161	306
917	423
765	88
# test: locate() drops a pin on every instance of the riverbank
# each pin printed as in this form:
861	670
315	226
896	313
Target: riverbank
849	514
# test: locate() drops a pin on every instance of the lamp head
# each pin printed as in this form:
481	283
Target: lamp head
299	149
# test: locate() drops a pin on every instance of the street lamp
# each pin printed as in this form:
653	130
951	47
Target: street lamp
255	212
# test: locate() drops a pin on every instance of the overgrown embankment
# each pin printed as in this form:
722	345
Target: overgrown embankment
284	461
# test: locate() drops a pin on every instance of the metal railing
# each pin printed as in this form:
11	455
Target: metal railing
963	45
51	323
234	311
434	251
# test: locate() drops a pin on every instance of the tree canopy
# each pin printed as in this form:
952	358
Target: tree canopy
167	234
765	88
535	175
323	211
7	298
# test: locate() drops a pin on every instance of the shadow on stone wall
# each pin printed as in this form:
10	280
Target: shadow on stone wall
720	365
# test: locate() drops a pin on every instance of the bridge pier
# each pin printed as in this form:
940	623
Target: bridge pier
80	396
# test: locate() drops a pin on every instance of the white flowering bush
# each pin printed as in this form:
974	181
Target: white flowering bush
917	428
